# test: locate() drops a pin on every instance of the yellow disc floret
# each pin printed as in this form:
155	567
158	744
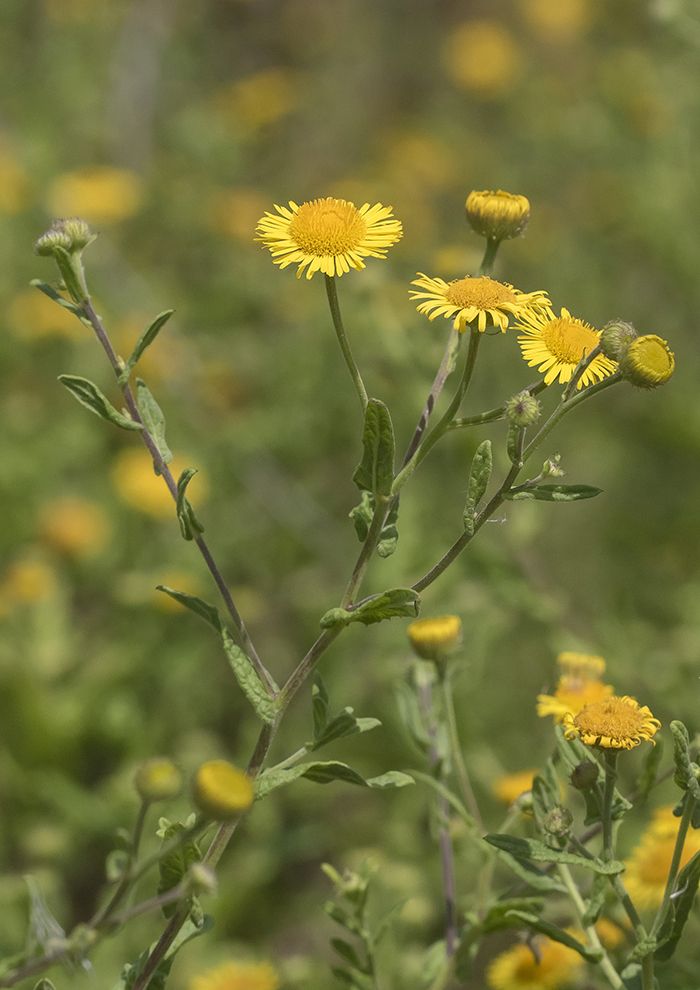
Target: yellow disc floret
222	791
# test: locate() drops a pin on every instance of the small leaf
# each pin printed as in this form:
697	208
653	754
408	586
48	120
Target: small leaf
132	971
201	608
387	921
153	419
320	704
247	676
596	903
44	984
514	444
651	766
392	778
348	953
395	603
49	291
532	849
557	935
531	874
190	527
375	473
479	475
684	776
144	341
445	793
89	395
175	864
552	493
342	917
324	773
116	864
686	886
335	616
65	263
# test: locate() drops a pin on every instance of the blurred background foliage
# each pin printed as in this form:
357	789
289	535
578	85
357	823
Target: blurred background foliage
172	127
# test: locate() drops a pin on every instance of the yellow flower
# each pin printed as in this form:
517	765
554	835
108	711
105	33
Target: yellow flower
647	362
467	299
434	638
579	685
328	235
610	934
178	581
556	344
31	314
136	482
615	723
98	193
157	779
581	665
557	20
497	215
234	212
74	526
237	976
13	185
222	791
259	99
483	57
509	787
649	863
29	581
546	966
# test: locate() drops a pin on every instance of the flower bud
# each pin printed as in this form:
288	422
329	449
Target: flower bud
615	338
558	821
78	231
498	216
523	409
435	639
584	775
647	362
551	469
157	780
52	239
221	791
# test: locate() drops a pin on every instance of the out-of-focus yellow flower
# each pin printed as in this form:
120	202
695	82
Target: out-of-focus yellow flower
260	99
28	581
483	57
168	357
557	20
74	526
579	684
649	863
237	976
222	791
437	637
72	11
551	965
420	160
14	187
615	723
610	934
31	314
97	193
178	581
137	484
235	212
510	786
454	259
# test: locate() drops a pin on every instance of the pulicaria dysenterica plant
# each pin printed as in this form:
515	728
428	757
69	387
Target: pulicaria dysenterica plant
558	882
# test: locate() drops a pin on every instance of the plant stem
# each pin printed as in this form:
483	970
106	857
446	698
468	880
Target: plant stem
675	862
487	263
382	509
446	368
605	964
456	750
332	293
606	811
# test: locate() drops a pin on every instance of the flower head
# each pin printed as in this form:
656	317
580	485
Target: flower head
434	638
237	976
614	723
497	215
222	791
510	786
546	965
328	235
556	344
157	780
647	362
579	685
649	863
482	299
74	526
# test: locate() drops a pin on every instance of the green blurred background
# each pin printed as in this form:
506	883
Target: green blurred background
172	127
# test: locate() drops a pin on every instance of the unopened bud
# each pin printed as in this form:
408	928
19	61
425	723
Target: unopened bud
435	639
157	780
523	409
615	338
497	215
558	821
78	231
585	775
222	791
647	362
50	240
551	469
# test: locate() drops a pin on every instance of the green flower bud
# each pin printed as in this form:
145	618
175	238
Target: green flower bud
222	791
615	338
157	780
585	775
523	409
51	239
78	231
558	821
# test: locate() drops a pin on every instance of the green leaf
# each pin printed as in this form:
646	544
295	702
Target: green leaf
600	888
651	766
557	935
686	887
385	923
392	778
479	475
684	776
343	917
320	704
395	603
538	852
362	516
146	338
153	419
349	954
552	493
132	971
174	866
44	984
89	395
243	669
375	473
327	729
445	793
49	291
66	266
499	916
190	527
247	676
324	773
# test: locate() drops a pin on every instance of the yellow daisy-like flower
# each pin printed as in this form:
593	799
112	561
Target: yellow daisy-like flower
328	235
647	362
433	638
498	215
510	786
489	303
99	193
649	863
615	723
581	665
556	344
237	976
572	694
137	485
546	966
74	526
222	791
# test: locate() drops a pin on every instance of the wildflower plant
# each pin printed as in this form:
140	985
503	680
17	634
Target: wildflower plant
564	880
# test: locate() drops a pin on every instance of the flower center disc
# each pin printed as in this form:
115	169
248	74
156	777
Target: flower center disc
327	227
569	339
612	719
653	358
483	293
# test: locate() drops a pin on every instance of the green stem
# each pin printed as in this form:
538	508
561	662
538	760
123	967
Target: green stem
456	751
447	366
675	863
128	879
332	293
605	964
487	263
382	509
606	811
